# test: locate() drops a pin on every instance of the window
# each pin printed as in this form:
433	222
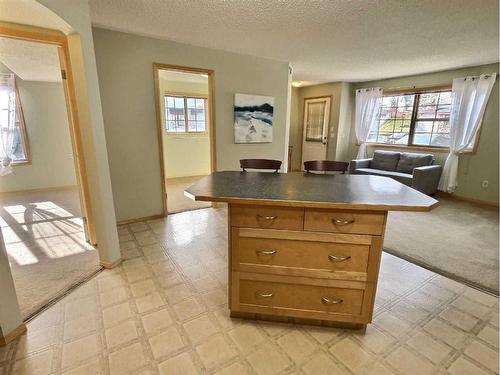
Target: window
185	114
20	152
416	119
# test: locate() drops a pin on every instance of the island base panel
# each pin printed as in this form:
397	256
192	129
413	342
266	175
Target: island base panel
349	297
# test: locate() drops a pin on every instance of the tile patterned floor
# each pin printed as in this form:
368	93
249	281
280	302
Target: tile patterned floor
164	311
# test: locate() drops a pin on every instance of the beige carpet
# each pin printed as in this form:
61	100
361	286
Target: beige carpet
457	239
46	246
176	200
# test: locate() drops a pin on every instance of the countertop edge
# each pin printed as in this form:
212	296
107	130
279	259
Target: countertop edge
309	204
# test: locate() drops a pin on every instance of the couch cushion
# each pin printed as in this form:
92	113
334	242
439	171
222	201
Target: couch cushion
404	178
409	161
385	160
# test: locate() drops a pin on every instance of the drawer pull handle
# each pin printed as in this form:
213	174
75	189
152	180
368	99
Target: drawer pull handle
266	218
266	252
342	222
338	258
264	294
331	301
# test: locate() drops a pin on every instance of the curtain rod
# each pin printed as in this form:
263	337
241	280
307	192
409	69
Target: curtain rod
484	75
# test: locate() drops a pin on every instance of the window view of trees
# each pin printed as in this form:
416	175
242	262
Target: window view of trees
420	119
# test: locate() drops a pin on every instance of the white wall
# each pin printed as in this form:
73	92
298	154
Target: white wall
184	154
124	63
49	140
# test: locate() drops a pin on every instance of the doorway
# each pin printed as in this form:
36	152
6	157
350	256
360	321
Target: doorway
44	206
184	105
315	128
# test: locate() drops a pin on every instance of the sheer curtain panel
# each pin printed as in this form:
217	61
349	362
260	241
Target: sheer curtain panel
469	98
367	107
7	122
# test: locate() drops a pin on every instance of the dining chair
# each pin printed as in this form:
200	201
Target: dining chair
326	166
260	164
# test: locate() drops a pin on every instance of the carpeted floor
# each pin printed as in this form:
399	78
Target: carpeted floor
176	201
44	238
457	239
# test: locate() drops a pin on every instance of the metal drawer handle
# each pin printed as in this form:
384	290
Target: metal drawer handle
264	294
338	258
331	301
342	222
266	218
266	252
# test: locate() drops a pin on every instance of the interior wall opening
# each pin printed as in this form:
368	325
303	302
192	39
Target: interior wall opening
42	208
186	132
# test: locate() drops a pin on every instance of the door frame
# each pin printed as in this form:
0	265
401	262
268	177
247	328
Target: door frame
303	126
59	39
159	125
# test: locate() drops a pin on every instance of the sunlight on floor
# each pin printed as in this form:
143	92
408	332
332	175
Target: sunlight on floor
44	226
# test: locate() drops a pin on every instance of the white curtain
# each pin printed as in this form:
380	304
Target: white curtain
7	122
367	107
469	98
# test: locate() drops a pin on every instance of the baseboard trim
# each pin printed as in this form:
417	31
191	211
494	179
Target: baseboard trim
467	199
39	190
12	335
109	265
137	219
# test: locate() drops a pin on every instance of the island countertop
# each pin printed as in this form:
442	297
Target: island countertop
359	192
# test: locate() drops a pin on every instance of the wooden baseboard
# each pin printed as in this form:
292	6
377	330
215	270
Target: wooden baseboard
137	219
467	199
109	265
40	190
12	335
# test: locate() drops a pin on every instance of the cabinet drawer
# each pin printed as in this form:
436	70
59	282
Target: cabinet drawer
267	217
301	253
311	298
344	221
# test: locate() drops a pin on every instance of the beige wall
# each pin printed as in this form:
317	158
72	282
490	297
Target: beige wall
184	154
473	168
124	64
46	121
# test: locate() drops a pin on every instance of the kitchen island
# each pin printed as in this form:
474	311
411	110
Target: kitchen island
306	248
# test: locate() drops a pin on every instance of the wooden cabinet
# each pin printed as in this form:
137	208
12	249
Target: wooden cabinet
300	263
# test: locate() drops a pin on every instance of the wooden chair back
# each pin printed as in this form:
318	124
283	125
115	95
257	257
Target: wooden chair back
326	166
260	164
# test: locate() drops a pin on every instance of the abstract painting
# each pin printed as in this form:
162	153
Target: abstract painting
253	118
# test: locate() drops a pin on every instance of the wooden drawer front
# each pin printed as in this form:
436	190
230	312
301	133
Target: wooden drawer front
300	297
275	255
267	217
344	221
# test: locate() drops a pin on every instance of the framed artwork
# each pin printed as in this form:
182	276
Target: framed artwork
253	118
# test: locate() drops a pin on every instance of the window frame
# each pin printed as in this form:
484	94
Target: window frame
413	120
422	90
185	97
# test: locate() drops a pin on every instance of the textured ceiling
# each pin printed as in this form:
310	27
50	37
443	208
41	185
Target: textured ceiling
324	41
30	61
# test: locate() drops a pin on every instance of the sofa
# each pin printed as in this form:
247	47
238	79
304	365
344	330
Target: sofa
412	169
